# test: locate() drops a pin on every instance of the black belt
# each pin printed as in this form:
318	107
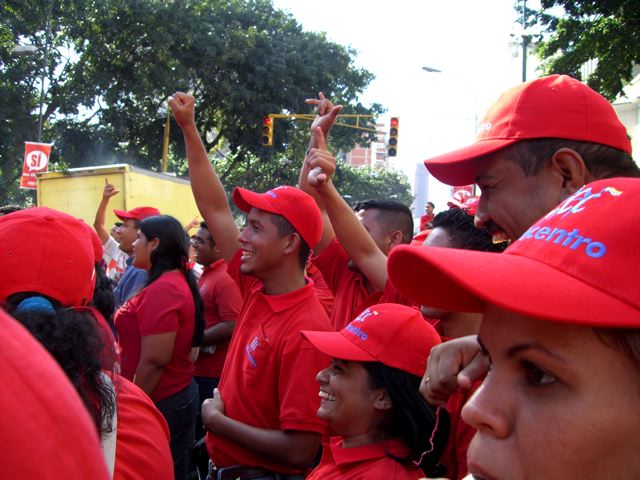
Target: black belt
240	472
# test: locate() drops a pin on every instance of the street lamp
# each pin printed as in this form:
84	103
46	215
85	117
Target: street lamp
26	50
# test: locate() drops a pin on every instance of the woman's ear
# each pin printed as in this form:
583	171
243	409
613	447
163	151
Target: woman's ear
154	243
382	400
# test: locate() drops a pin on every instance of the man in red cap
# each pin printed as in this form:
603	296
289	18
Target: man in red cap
262	422
133	279
537	145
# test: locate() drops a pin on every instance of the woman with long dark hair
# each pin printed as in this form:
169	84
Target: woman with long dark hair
370	397
158	328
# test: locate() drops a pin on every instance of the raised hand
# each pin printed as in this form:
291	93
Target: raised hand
327	113
322	165
183	107
109	190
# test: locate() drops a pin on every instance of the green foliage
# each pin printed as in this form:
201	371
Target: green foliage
608	31
354	183
112	64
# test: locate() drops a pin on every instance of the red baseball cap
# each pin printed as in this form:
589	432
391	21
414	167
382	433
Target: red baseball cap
578	264
556	106
389	333
138	213
298	207
49	252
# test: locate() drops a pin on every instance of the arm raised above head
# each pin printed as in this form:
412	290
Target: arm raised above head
207	188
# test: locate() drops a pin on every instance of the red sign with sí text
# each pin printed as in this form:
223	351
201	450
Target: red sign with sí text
36	159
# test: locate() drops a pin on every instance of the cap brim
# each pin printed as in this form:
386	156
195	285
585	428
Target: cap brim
465	281
336	345
459	167
121	214
246	199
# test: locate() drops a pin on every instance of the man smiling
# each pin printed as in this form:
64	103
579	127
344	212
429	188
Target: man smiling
267	425
537	145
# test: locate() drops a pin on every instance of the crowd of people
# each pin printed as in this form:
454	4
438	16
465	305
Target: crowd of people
323	341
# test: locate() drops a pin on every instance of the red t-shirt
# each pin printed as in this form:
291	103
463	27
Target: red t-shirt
349	286
142	441
268	380
164	306
424	221
222	302
368	462
47	432
323	292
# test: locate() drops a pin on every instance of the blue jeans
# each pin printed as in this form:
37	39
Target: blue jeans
181	410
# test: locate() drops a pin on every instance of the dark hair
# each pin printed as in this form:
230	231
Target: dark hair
103	299
432	204
284	228
393	215
423	430
212	242
172	253
74	339
601	161
118	224
462	231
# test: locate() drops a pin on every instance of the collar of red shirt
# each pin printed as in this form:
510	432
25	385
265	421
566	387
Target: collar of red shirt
278	303
213	266
366	452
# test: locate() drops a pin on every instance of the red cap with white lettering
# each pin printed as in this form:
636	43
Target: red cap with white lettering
556	106
578	264
389	333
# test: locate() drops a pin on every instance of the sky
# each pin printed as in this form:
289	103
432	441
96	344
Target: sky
473	42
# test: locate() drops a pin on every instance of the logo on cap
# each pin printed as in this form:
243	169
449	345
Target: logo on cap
357	331
581	197
573	239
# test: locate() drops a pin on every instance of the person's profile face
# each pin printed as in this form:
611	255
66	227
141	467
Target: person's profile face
128	234
510	201
557	403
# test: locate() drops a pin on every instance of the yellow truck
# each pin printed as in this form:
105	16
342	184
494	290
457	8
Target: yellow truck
78	192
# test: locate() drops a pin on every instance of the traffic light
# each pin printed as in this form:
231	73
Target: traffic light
392	144
267	131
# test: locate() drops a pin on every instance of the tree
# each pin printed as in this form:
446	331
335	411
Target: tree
354	183
607	31
113	63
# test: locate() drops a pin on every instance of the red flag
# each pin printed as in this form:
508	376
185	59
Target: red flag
36	159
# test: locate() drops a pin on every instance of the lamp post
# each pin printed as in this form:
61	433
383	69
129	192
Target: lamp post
27	50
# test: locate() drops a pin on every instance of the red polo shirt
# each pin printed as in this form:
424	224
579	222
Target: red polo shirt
369	461
348	286
47	432
164	306
268	380
323	292
222	302
142	441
